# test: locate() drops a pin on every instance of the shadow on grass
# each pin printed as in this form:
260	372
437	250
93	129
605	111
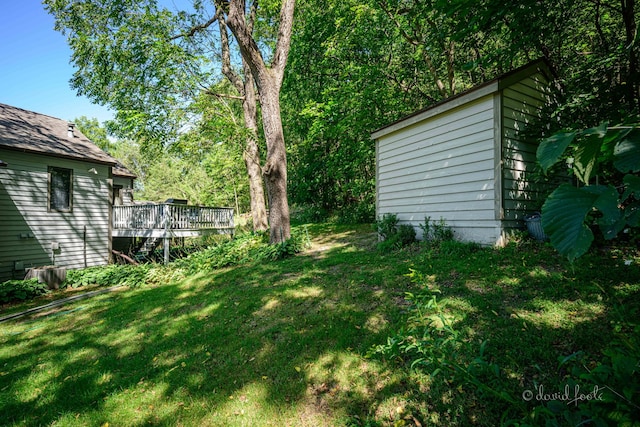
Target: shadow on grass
278	342
533	309
282	343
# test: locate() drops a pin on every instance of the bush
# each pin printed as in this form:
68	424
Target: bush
243	248
109	275
21	290
394	236
436	231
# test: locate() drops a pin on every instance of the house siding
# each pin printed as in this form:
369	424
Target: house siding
523	104
443	167
126	193
27	227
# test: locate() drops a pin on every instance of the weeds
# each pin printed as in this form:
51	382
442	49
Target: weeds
436	231
394	235
585	389
21	290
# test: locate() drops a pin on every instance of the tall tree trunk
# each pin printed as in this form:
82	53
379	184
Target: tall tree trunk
252	155
275	170
268	81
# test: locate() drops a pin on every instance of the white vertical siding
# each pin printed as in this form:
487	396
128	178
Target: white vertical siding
523	104
27	229
443	167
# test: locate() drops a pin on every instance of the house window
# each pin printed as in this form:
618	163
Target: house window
60	189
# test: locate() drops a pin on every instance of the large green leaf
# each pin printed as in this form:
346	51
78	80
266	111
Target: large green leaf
551	149
612	220
627	153
586	157
563	220
599	131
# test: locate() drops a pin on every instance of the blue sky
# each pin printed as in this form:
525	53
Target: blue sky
34	64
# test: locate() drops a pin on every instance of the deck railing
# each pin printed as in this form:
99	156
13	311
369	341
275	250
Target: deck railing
168	216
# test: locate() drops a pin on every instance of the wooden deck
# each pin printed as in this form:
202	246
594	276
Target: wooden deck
167	220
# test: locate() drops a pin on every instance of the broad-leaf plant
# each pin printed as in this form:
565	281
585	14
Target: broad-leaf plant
605	162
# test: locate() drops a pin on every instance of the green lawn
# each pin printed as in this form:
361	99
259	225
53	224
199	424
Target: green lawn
286	343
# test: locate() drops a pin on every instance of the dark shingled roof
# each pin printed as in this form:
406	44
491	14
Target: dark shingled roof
26	131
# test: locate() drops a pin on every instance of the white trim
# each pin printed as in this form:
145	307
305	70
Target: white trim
438	109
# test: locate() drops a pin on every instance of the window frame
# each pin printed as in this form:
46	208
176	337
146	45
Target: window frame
50	192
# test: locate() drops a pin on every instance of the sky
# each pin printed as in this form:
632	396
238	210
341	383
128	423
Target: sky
34	64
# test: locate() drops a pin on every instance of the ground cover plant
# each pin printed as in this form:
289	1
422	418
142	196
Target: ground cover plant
340	334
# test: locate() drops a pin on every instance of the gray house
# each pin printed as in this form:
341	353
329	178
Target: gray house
467	159
56	194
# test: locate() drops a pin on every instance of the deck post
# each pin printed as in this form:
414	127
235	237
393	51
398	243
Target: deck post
167	220
166	243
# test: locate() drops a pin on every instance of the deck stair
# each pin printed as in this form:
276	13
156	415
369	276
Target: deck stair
148	245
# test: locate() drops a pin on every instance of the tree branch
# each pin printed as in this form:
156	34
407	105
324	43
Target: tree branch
283	43
197	28
228	72
223	95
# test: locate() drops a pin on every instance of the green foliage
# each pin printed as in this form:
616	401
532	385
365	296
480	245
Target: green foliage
436	231
601	390
241	249
387	226
21	290
394	235
614	382
92	129
109	275
569	212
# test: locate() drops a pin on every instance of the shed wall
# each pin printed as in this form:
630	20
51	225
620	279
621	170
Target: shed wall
444	168
27	229
522	108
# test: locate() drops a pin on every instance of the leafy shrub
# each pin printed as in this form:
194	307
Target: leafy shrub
569	212
406	234
394	236
242	249
436	231
21	290
109	275
387	225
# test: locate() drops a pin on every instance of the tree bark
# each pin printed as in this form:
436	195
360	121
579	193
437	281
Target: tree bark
251	154
269	81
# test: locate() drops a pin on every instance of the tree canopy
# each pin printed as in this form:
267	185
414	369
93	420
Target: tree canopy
352	67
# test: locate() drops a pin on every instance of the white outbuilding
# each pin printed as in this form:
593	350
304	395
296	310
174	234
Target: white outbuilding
468	160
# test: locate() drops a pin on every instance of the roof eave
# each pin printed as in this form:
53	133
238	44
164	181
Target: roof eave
60	156
477	92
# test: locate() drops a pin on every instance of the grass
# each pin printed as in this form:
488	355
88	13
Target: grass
286	342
